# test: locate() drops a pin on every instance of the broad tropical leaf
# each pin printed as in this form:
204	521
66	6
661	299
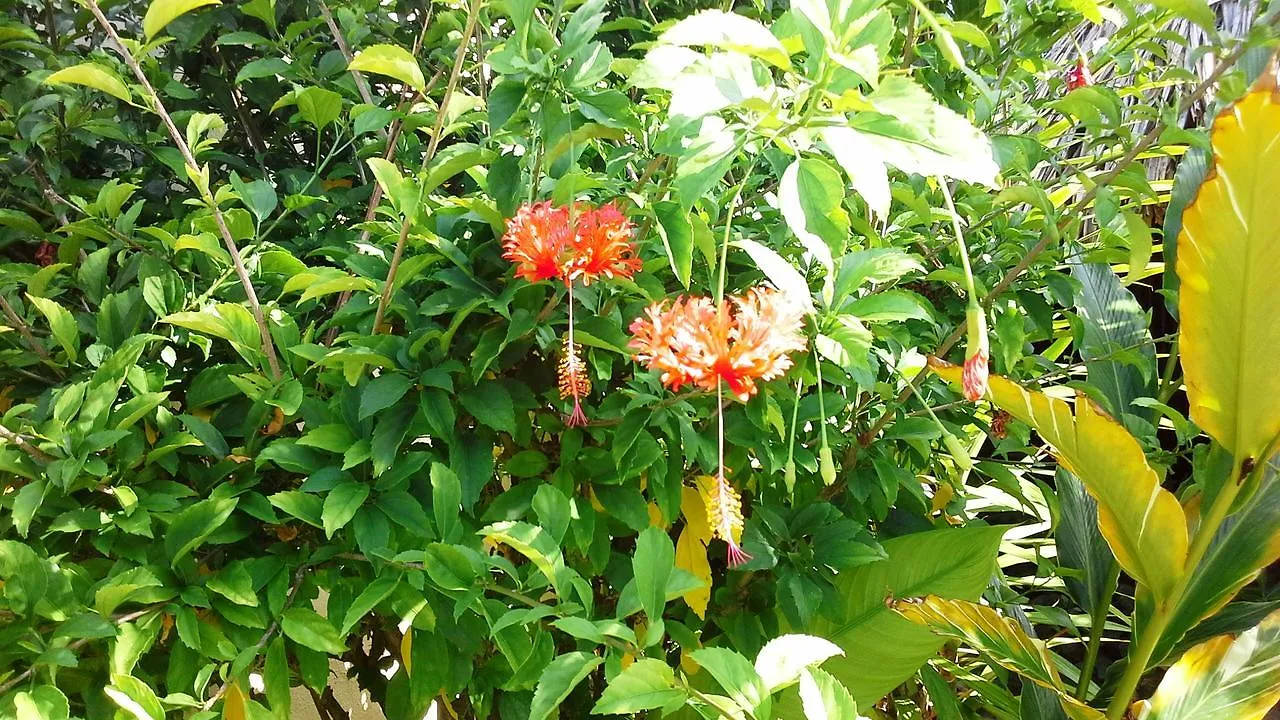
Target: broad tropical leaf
1142	521
983	629
1228	259
1248	541
1226	678
882	649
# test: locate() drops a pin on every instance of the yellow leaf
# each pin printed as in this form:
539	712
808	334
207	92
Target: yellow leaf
233	703
655	517
1228	261
691	549
406	651
1142	522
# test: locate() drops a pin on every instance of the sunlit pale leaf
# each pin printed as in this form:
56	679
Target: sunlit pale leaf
162	12
392	61
91	75
728	31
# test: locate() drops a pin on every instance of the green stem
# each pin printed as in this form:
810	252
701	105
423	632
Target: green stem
964	248
728	229
1140	655
1097	622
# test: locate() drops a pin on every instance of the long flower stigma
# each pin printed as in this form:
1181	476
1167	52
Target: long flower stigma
724	513
573	381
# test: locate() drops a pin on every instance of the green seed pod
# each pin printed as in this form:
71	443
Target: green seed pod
958	452
826	466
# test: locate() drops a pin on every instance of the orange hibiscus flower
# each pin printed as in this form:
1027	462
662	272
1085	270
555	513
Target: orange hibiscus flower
579	243
746	338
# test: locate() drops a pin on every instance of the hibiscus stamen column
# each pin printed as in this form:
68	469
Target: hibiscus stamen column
573	381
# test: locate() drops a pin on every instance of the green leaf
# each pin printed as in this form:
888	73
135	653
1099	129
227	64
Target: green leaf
134	697
783	659
824	698
728	31
162	12
1226	678
881	649
341	504
61	322
92	75
1081	546
368	599
877	265
781	273
558	680
305	627
535	544
381	393
446	501
1142	522
1197	11
491	404
1228	293
914	133
1247	542
652	563
582	26
645	685
677	238
234	583
1113	320
810	195
392	61
1139	245
194	525
44	702
738	678
889	306
318	106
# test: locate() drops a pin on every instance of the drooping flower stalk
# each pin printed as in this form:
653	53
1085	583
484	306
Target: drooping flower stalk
977	355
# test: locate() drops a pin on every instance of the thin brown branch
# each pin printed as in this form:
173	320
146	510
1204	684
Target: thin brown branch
341	42
23	329
268	346
473	12
25	446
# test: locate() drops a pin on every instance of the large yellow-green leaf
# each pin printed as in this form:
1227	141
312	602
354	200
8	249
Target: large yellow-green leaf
999	638
1141	521
1224	678
881	649
162	12
1228	262
392	61
92	75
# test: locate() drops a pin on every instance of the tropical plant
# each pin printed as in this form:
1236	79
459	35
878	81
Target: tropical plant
529	359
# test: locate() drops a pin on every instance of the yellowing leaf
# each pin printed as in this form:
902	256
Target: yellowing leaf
1228	261
1142	522
1224	678
392	61
162	12
91	75
691	549
233	703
